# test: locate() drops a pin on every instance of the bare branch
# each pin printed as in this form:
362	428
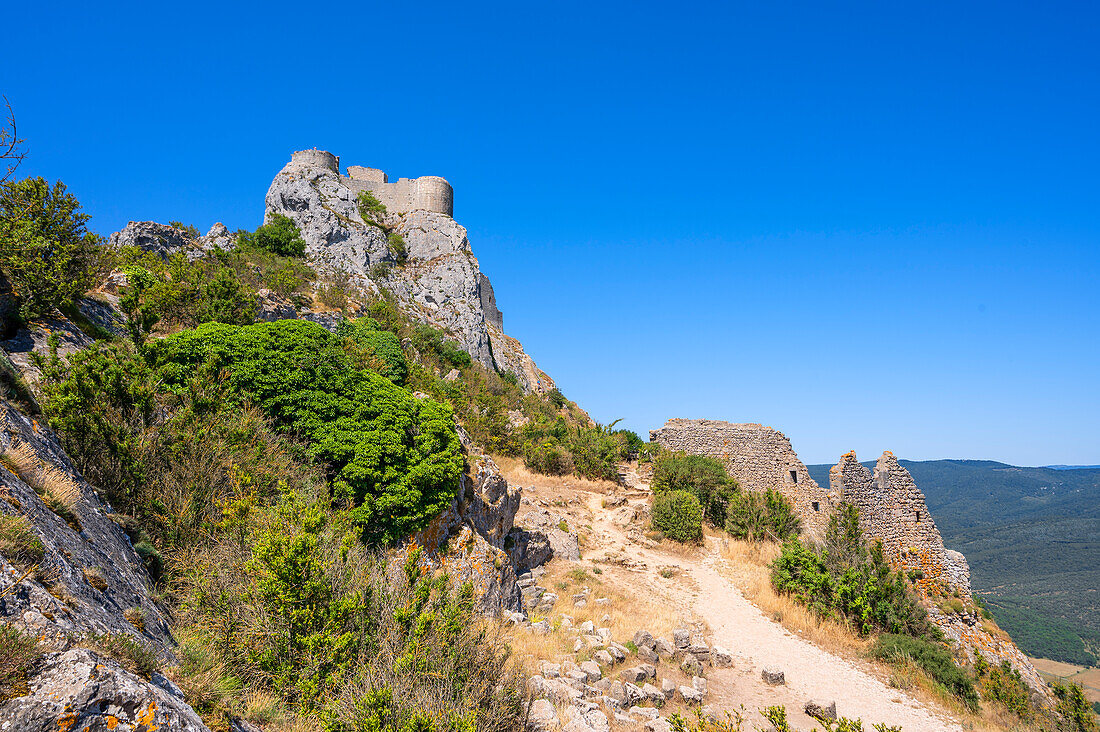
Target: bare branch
12	151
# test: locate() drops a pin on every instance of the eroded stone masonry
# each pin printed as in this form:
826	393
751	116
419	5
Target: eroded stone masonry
891	510
758	457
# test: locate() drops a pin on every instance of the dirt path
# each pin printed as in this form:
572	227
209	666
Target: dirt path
757	641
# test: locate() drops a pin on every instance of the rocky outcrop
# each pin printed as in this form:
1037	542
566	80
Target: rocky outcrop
88	579
468	539
440	282
165	240
81	691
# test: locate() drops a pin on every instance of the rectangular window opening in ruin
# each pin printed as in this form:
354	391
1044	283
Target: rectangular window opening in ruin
817	506
794	476
918	517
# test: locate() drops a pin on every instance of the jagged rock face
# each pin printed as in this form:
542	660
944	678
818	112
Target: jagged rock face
440	283
87	578
167	240
468	539
80	691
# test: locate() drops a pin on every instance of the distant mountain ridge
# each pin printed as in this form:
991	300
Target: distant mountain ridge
1032	537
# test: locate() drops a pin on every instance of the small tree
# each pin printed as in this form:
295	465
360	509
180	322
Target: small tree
46	250
679	515
282	236
371	209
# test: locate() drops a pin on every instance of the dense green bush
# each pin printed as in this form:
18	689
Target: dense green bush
282	236
398	249
850	579
766	516
678	515
395	460
371	209
46	251
934	658
430	341
381	348
703	476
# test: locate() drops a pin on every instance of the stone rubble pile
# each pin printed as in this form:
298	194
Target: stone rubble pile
620	682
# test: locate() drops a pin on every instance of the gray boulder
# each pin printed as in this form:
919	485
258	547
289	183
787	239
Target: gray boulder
773	676
79	687
825	711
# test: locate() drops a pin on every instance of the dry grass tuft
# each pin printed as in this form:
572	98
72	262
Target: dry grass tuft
516	472
94	577
748	568
46	480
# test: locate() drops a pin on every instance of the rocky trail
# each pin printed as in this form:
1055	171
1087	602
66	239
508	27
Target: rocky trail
701	595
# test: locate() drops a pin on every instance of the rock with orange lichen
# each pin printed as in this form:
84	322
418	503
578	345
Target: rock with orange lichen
468	539
80	691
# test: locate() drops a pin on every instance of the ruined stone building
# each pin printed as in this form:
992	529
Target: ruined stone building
426	193
758	457
892	510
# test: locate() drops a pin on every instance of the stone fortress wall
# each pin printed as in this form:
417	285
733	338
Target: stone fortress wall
758	457
893	510
426	193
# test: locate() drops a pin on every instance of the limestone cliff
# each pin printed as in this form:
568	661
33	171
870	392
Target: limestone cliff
440	282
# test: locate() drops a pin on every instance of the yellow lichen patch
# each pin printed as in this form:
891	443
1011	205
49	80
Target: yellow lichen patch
67	721
112	721
146	717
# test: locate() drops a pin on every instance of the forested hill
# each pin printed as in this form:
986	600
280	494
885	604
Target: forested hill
1032	537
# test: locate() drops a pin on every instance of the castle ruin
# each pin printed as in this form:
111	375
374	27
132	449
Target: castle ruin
426	193
893	510
759	458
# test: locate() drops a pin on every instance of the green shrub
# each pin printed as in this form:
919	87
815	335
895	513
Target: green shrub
934	658
190	230
761	516
46	251
18	653
547	458
282	236
395	460
703	476
1004	685
1074	709
398	249
430	341
850	579
18	542
381	348
679	515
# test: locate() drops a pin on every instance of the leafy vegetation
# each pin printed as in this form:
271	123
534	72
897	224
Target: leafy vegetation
371	209
763	516
1002	684
933	657
1074	709
380	349
850	580
1008	521
46	251
705	477
678	515
281	237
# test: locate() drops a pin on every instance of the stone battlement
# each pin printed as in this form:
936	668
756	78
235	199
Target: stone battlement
426	193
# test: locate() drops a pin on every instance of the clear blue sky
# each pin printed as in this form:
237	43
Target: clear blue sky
870	225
